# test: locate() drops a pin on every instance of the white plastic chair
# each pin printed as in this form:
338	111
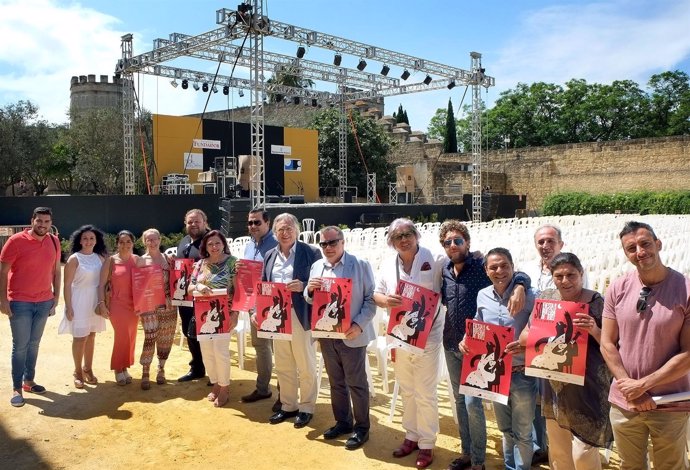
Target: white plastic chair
241	333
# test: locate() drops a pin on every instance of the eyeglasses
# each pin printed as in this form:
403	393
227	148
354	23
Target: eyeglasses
402	235
330	243
254	222
455	241
642	301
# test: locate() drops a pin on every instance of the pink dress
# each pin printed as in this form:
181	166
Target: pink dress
122	315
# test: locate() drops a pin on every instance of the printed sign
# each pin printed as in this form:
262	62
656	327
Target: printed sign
179	282
281	150
410	323
147	288
206	144
292	164
212	314
247	277
273	307
193	161
330	314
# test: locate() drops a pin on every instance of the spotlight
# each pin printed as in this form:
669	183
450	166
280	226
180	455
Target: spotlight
295	100
337	60
300	52
196	86
427	80
185	84
314	102
214	89
385	70
451	84
361	65
226	90
405	75
173	82
241	93
204	87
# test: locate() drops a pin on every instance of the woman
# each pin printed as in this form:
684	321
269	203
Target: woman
216	270
577	417
117	271
82	273
159	325
416	374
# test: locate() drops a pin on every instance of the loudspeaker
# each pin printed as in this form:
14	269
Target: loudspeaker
298	199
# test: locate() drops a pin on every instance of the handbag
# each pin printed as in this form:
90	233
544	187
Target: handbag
108	288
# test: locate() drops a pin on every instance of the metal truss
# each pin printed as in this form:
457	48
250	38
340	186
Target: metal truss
478	72
128	113
371	188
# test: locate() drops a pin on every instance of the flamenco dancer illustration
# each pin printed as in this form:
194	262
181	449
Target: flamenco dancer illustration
559	349
181	285
490	367
214	319
332	314
413	321
275	315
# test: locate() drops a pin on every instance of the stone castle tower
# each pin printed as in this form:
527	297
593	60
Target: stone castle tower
86	93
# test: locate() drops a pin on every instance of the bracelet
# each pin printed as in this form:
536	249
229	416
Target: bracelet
100	302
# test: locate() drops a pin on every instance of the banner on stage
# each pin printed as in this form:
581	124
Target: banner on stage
273	307
247	278
409	324
147	288
486	370
330	314
556	348
212	314
179	281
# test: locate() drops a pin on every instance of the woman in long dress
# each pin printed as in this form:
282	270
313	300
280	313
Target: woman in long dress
82	273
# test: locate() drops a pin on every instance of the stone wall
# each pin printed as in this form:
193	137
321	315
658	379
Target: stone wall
86	93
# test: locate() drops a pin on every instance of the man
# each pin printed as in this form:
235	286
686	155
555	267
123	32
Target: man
196	226
645	340
262	240
515	419
463	277
29	292
345	360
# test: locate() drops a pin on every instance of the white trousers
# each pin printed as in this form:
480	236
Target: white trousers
215	352
567	452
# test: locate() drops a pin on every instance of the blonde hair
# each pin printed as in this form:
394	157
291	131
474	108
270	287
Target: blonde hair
148	231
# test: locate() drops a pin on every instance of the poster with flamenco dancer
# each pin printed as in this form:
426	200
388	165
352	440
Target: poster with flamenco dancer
212	314
247	277
330	313
556	348
179	281
486	369
147	288
273	307
409	324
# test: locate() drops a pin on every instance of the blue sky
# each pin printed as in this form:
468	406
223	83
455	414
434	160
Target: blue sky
48	41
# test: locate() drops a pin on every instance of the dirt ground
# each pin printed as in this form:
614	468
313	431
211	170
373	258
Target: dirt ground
173	425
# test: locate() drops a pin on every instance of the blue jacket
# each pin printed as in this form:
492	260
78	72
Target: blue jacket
362	306
305	256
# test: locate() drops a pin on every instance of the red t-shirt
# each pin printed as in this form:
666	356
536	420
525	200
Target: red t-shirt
32	266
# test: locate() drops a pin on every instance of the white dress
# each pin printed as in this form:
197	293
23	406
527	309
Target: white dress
84	298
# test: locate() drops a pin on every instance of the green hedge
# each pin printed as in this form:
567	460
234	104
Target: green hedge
639	202
167	241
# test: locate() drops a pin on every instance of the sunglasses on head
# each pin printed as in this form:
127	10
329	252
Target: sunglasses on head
254	222
455	241
642	301
330	243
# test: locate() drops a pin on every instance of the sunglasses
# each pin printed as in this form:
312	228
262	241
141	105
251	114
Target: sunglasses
402	235
330	243
642	301
254	222
455	241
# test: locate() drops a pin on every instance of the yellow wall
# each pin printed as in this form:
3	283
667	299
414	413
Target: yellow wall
305	146
173	138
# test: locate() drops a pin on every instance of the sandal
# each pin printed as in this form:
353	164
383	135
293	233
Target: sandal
214	393
145	383
34	388
89	378
160	376
222	397
120	378
128	378
78	381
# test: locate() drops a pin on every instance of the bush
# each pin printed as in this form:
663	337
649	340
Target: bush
638	202
167	241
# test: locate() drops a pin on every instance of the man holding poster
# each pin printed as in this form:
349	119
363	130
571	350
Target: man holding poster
645	340
345	359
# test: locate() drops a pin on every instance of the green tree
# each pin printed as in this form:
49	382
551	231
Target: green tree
373	141
15	120
400	115
289	76
450	139
670	103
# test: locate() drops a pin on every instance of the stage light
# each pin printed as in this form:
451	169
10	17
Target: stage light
314	102
295	100
385	70
427	80
361	65
173	82
185	84
337	60
214	89
241	93
226	90
196	86
405	75
451	84
204	87
300	52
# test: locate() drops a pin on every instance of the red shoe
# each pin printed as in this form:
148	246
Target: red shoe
406	448
424	458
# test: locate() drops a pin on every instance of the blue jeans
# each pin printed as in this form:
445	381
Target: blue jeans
27	323
515	422
471	420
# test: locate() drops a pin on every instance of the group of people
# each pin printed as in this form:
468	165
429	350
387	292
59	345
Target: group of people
638	335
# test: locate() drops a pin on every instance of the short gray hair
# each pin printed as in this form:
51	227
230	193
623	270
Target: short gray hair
334	228
556	228
286	217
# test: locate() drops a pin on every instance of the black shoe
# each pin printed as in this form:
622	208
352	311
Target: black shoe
540	457
277	406
303	419
357	440
191	375
281	416
461	463
255	396
336	431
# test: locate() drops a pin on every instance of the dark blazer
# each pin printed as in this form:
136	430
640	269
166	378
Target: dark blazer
305	255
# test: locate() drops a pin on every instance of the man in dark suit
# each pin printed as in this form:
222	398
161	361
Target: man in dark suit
295	359
345	360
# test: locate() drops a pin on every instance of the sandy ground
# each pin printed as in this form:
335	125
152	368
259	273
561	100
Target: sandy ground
110	427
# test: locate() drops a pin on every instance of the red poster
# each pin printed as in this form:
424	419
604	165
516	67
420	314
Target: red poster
147	288
486	369
212	314
179	281
556	349
410	324
330	314
247	277
273	307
